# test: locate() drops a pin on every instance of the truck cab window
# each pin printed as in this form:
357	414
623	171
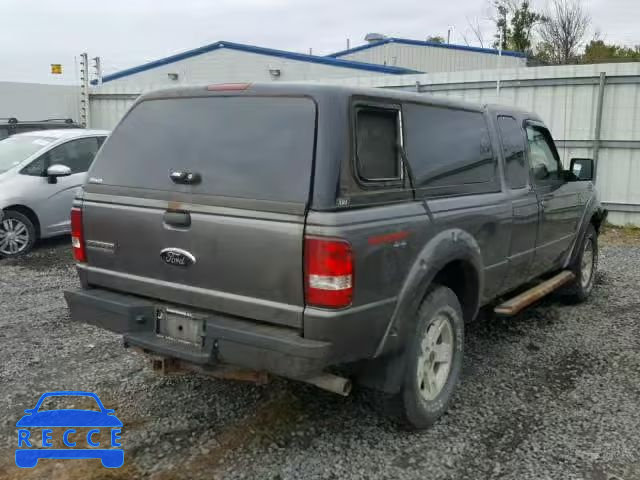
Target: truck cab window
377	155
516	170
543	157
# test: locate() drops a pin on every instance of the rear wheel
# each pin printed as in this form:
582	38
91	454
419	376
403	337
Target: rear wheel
584	267
17	234
434	359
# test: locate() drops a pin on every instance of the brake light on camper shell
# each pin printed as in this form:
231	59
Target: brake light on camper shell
77	235
328	272
223	87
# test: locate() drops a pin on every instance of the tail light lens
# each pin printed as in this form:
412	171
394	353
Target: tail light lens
328	273
77	235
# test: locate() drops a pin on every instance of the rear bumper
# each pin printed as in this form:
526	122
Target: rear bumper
227	340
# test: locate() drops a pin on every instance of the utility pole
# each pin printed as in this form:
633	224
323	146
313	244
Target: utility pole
450	34
499	66
84	89
98	69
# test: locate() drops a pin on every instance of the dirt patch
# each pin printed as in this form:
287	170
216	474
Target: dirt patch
611	235
266	427
69	470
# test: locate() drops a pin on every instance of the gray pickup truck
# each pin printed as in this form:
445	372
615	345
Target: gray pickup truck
326	234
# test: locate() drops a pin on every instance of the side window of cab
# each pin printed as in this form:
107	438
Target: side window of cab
543	157
378	160
516	169
376	173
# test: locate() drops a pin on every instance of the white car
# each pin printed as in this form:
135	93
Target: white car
40	172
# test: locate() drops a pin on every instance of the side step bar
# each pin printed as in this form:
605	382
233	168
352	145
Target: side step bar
517	304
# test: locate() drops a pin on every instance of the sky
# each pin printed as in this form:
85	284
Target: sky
126	33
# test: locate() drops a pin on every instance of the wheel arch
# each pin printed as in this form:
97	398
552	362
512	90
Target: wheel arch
29	213
598	217
452	258
594	215
463	279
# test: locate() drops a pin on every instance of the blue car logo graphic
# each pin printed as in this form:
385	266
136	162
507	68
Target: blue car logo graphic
29	452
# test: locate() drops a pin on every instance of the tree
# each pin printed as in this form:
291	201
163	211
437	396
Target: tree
562	30
522	23
597	51
476	30
502	24
515	21
435	39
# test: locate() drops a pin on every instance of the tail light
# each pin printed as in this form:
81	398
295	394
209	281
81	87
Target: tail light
328	272
77	235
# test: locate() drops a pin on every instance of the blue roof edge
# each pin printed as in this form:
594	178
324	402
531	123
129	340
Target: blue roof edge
406	41
261	50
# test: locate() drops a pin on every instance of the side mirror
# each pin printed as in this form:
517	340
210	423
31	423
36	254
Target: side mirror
57	170
582	168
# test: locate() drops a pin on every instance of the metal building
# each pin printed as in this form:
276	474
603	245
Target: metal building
235	62
429	57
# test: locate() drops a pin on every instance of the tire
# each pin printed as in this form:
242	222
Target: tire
584	267
425	397
17	234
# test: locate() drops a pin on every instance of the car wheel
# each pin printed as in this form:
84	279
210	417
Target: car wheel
433	358
584	267
17	234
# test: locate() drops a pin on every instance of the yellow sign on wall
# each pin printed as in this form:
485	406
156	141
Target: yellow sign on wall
56	68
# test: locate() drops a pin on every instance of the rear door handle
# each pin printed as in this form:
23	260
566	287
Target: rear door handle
177	219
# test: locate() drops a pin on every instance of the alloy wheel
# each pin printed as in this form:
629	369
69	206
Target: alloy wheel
436	357
14	237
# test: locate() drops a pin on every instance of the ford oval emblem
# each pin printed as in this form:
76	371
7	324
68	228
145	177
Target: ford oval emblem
177	257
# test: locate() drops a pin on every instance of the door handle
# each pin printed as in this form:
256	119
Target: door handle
177	219
184	177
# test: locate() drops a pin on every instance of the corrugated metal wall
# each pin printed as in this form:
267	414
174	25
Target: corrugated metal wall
37	101
432	59
566	97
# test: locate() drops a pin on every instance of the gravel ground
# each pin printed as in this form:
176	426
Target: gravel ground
551	394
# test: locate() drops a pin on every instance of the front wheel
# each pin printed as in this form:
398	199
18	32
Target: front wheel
584	267
17	234
434	358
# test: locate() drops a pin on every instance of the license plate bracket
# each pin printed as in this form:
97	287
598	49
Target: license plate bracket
180	325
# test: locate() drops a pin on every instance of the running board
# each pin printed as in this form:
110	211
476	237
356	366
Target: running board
522	301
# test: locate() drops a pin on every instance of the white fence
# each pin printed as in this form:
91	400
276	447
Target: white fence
36	101
566	97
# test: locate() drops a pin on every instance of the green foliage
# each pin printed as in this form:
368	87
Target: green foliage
544	54
502	24
522	23
515	19
435	39
597	51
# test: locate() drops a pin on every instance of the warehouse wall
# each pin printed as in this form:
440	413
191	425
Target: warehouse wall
432	59
227	65
36	101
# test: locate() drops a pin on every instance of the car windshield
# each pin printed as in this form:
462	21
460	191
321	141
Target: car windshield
14	150
65	402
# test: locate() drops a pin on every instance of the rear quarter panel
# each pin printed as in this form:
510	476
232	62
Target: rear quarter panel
387	243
